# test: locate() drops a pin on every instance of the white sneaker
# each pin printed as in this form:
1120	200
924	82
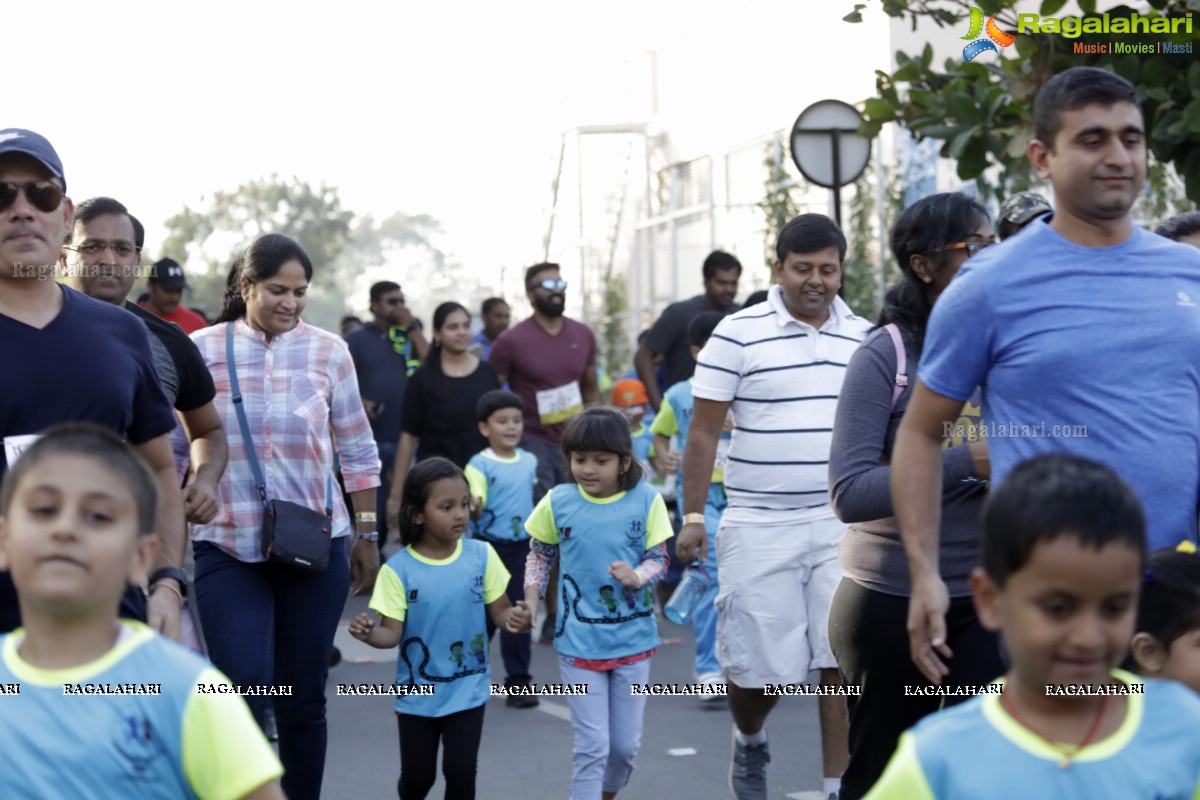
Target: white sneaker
711	679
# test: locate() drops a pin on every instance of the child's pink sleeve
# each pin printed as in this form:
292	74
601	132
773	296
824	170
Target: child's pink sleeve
654	564
538	563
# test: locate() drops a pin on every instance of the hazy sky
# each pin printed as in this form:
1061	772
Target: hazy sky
451	109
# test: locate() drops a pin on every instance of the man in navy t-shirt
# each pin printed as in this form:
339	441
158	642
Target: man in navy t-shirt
1083	332
67	357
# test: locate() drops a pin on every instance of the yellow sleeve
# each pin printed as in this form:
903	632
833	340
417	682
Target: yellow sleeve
665	423
225	755
477	484
540	524
389	597
495	576
903	779
658	523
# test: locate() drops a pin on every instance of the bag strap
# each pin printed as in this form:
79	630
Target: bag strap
901	363
259	481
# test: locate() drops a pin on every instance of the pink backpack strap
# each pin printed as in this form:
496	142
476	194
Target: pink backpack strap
901	363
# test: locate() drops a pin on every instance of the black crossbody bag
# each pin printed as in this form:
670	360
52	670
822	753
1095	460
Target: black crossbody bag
291	534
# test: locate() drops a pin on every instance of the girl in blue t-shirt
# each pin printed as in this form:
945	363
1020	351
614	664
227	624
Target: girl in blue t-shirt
1167	639
431	597
608	527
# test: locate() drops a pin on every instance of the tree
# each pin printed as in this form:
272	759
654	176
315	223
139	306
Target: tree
983	110
339	242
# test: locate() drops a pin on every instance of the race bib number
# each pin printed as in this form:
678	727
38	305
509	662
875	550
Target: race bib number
15	445
559	405
718	473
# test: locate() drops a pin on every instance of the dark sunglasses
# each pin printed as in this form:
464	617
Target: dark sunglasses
972	247
45	196
552	284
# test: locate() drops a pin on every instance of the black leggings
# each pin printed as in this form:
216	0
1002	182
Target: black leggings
868	632
459	735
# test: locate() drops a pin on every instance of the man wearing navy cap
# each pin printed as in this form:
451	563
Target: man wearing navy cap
166	284
76	359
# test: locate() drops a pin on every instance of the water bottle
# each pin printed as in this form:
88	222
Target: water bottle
687	594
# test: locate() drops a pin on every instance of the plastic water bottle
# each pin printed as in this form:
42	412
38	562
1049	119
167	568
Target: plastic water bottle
687	594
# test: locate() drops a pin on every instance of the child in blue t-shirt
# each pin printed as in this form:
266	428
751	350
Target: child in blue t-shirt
675	419
1167	642
1063	550
502	479
105	708
608	528
431	598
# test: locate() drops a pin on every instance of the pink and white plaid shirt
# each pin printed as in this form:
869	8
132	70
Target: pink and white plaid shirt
296	389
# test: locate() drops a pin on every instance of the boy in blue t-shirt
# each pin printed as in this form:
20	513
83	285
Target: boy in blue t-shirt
105	708
1063	553
674	419
502	479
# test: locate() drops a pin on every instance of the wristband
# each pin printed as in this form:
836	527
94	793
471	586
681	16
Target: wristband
373	536
172	573
365	516
693	519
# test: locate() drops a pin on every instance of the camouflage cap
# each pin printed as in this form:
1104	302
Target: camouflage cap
1022	207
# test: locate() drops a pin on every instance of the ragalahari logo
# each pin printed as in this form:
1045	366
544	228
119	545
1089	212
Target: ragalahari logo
977	46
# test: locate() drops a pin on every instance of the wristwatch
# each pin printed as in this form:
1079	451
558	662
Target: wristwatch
174	573
693	518
373	536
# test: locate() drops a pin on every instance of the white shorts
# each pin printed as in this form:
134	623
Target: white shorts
777	584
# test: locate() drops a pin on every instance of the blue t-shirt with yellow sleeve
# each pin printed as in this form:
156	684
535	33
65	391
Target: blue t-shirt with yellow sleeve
675	419
504	487
142	721
598	618
443	605
978	750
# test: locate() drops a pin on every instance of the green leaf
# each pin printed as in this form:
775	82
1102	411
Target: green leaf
1191	116
964	140
1087	6
876	109
1194	77
1051	7
973	161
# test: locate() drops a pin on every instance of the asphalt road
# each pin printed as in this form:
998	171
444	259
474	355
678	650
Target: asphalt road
526	754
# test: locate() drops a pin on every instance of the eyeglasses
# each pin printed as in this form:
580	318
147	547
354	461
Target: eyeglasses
551	284
119	249
972	247
46	196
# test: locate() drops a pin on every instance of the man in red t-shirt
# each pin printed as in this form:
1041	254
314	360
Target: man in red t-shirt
166	284
549	361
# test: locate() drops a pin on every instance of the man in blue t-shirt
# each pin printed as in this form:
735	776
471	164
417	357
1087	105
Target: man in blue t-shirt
67	357
1083	332
385	352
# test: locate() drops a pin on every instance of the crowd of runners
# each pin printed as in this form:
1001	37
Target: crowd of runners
968	525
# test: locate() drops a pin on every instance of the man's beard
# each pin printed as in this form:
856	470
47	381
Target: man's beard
547	307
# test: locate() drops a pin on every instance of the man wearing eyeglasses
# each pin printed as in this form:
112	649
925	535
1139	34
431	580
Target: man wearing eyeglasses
68	358
102	257
165	286
385	353
549	361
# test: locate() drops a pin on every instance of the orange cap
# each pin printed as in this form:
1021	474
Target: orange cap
629	392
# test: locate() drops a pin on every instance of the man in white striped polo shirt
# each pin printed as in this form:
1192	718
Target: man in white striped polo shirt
779	365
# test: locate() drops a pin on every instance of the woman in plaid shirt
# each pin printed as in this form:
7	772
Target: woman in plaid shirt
266	623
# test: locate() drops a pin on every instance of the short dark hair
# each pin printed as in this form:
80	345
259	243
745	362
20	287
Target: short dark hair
381	288
702	326
537	269
1075	88
809	233
1180	225
755	298
494	401
603	430
94	207
1057	495
719	260
86	439
491	303
416	493
1169	605
262	261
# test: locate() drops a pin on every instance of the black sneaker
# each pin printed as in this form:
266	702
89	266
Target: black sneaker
521	701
